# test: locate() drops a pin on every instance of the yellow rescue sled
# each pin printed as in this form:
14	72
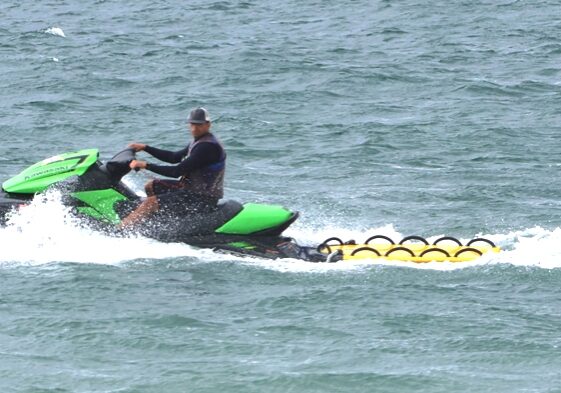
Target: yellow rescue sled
409	249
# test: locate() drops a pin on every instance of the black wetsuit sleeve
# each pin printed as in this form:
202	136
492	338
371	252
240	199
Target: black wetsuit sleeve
172	157
202	155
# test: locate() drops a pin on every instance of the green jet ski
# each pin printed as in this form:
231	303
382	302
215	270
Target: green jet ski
96	194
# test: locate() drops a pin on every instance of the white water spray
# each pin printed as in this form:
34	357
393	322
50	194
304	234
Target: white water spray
45	231
55	31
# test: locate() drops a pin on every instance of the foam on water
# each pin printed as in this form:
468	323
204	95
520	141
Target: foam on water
55	31
532	247
46	232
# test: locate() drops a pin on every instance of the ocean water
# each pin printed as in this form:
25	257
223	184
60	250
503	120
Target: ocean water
368	117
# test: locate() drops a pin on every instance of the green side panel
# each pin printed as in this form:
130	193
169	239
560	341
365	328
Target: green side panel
90	211
254	218
101	204
245	245
39	176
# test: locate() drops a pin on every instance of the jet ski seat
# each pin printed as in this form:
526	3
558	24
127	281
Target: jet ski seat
229	208
196	224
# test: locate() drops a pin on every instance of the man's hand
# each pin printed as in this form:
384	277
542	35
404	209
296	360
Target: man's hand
135	164
137	146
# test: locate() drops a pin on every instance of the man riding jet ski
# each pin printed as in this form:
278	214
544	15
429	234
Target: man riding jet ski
184	210
200	168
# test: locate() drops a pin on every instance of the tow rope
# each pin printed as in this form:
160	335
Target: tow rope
410	248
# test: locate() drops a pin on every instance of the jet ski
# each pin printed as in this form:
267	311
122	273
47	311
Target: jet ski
95	192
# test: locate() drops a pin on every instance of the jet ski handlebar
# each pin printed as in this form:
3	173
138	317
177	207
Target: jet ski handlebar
118	165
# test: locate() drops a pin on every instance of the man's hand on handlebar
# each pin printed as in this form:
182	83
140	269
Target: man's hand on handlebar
137	146
136	165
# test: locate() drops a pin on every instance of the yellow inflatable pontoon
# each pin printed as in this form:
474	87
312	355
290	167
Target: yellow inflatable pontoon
409	249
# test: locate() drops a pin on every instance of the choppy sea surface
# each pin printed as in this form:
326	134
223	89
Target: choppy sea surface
368	117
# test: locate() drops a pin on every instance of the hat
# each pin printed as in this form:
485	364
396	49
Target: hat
199	116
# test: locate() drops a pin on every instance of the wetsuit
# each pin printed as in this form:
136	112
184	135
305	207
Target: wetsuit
200	169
